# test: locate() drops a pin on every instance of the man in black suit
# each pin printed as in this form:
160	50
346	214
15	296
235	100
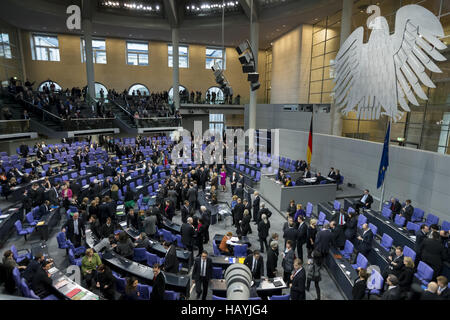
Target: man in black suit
365	242
192	196
393	291
338	233
233	182
186	211
239	192
420	236
187	234
44	209
202	274
365	201
238	212
159	284
255	263
395	207
396	264
302	230
290	233
298	281
171	263
41	283
206	218
332	174
407	211
320	178
324	239
75	229
431	292
53	194
443	290
272	260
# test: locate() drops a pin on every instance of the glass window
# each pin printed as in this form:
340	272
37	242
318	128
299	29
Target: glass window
137	53
214	55
218	95
183	56
180	89
45	47
5	46
49	85
216	122
139	87
98	51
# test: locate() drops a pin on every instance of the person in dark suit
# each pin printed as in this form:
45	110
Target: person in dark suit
288	262
171	263
393	291
169	209
53	194
365	201
432	252
106	282
187	234
75	229
272	260
351	226
420	236
41	282
255	263
395	207
302	235
431	292
202	274
360	285
233	182
443	290
365	242
324	239
238	212
407	211
239	191
406	276
256	207
338	233
107	229
290	233
159	284
185	211
396	265
331	174
298	279
244	224
44	209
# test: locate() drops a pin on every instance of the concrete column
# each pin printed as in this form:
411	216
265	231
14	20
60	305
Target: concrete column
87	30
176	68
254	42
346	25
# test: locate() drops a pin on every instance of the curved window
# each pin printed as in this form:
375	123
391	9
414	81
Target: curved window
219	95
48	84
180	87
139	87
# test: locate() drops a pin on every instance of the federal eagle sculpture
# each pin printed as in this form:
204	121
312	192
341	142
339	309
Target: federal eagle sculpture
373	78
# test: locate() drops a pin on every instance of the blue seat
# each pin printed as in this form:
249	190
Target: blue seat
20	257
417	215
179	243
337	205
408	252
240	250
374	229
254	298
218	298
217	273
321	220
431	219
30	219
64	243
309	209
152	259
412	227
386	212
21	231
283	297
216	249
424	273
139	254
171	295
73	260
361	262
167	235
399	220
386	242
348	249
16	277
28	293
120	283
375	283
361	220
144	291
445	226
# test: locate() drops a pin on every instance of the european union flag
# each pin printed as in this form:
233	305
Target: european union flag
384	163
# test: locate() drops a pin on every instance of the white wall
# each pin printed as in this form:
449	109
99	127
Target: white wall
422	176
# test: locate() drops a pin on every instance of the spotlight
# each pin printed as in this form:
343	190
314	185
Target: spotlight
244	46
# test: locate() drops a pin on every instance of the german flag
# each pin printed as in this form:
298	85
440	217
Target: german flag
310	141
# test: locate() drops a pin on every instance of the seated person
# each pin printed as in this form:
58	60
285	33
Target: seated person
41	283
365	201
407	211
89	265
125	247
395	207
288	182
320	178
223	247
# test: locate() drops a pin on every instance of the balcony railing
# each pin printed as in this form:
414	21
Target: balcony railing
14	126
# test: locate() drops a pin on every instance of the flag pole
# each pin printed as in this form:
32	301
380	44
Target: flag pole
385	174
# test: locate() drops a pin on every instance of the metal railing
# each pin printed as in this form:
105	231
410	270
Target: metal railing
14	126
157	122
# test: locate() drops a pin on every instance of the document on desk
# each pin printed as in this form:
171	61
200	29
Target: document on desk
266	284
412	238
52	270
4	216
342	266
234	239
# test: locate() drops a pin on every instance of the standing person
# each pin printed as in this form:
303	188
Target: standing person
256	207
171	263
360	285
432	252
200	235
159	283
311	237
106	282
244	224
314	267
298	279
365	242
272	260
223	179
202	274
233	182
75	230
263	232
256	264
302	235
131	292
350	227
288	262
187	234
